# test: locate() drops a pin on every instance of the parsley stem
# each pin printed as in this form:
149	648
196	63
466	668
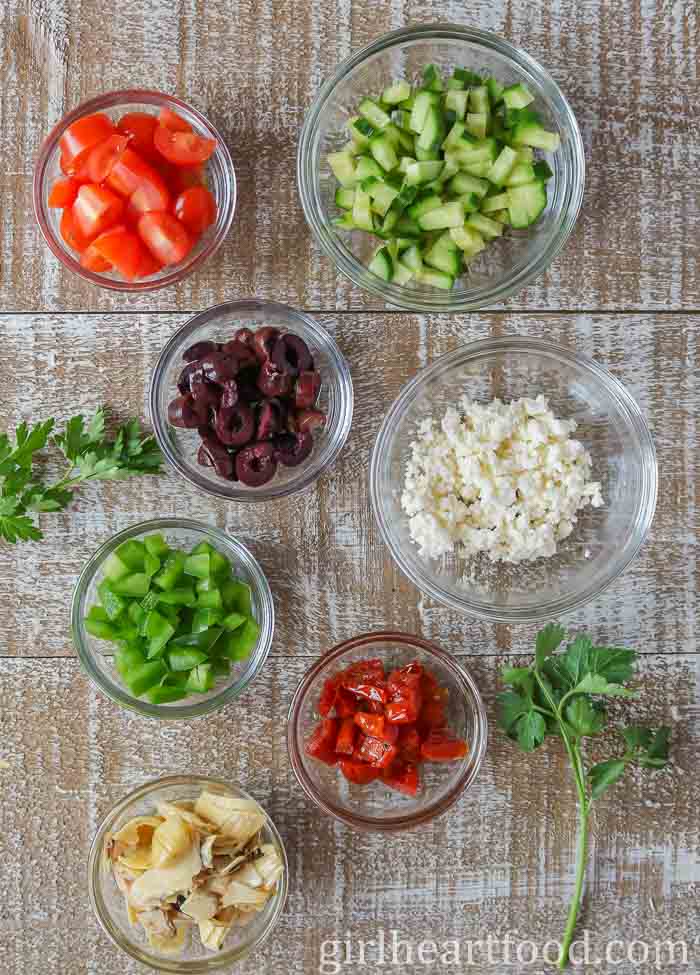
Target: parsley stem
582	857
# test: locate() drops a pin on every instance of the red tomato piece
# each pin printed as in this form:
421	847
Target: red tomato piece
152	194
345	704
139	127
165	237
63	192
129	172
409	743
82	135
92	260
371	724
171	120
321	744
378	753
443	746
96	209
121	248
196	208
183	148
104	156
148	266
403	778
358	772
71	233
345	743
328	695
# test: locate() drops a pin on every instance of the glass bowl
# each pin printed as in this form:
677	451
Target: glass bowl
108	903
96	655
506	265
221	180
218	324
375	806
611	427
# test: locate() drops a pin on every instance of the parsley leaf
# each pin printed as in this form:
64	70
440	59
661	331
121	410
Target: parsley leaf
604	774
547	641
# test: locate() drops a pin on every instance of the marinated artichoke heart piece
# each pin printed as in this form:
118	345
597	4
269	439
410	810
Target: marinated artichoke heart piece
161	933
236	819
213	933
137	858
269	865
138	831
185	810
158	883
172	839
200	906
207	852
243	897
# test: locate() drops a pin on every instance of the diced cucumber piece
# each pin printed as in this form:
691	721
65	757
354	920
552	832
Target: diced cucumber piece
366	167
402	274
375	115
532	134
466	76
469	241
383	152
479	100
407	227
435	279
427	155
361	214
404	163
344	198
477	168
476	124
345	222
360	130
443	217
432	78
505	162
423	206
470	202
422	102
412	258
501	216
453	137
343	166
521	174
423	172
382	196
456	101
396	92
542	170
382	265
526	203
489	229
517	96
492	203
433	131
495	90
444	256
463	183
526	154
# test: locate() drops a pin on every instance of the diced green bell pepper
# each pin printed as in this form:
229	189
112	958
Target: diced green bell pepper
219	564
132	554
141	678
158	631
239	644
172	571
204	640
233	621
201	678
185	659
210	600
237	596
97	613
205	618
113	604
164	694
101	629
137	614
136	584
114	568
198	565
178	597
156	545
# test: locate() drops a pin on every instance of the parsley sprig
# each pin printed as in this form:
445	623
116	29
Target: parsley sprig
560	694
91	455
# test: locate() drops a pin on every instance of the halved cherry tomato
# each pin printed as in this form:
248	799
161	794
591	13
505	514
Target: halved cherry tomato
121	248
196	208
152	194
171	120
104	156
345	743
378	753
402	777
165	237
96	209
371	724
63	192
321	744
92	260
442	746
129	172
71	233
358	772
409	743
183	148
148	266
140	127
82	135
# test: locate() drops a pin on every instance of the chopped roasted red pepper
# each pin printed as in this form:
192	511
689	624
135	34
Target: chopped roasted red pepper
345	704
409	743
402	777
345	742
362	688
358	772
328	696
371	724
321	744
442	746
377	752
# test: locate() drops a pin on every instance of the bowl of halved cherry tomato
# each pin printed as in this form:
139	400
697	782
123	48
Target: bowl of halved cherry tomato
134	190
386	731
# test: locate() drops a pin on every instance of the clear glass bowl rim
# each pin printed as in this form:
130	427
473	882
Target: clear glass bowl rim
468	299
229	692
470	353
389	823
308	472
215	962
97	104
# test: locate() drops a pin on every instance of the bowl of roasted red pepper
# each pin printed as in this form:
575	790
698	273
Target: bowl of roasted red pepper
386	731
134	190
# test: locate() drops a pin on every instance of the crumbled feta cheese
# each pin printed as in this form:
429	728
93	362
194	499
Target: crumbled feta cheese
506	479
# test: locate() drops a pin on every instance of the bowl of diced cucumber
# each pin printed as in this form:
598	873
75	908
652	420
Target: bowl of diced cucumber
441	168
172	618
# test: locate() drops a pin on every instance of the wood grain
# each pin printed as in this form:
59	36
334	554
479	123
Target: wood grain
502	858
629	70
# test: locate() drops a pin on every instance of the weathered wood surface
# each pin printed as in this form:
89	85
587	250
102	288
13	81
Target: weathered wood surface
629	70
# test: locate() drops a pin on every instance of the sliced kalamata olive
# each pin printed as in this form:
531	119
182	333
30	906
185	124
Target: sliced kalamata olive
229	393
306	389
185	412
291	354
272	381
235	425
206	393
184	382
270	420
293	448
218	367
263	340
246	337
243	354
256	464
309	420
199	350
246	381
219	457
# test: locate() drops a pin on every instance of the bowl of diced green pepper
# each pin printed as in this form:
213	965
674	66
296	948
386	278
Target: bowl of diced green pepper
172	618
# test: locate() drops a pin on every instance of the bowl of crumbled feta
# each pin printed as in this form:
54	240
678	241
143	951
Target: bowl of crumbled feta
514	479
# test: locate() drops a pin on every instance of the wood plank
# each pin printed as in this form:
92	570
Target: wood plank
502	859
630	71
58	364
